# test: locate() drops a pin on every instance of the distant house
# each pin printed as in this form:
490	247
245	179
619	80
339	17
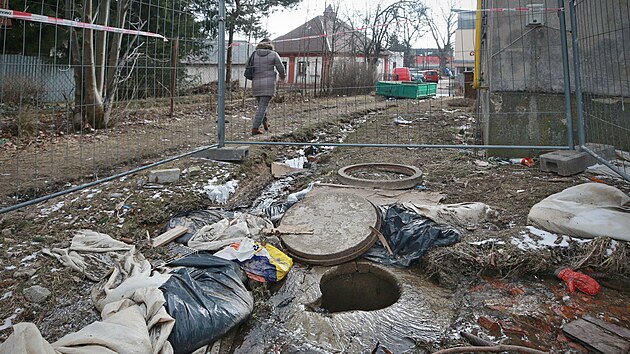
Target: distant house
427	58
306	51
204	68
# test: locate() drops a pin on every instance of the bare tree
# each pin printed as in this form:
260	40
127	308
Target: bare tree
442	26
412	26
379	25
91	56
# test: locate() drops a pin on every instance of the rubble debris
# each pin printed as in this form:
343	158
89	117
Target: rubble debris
36	294
170	175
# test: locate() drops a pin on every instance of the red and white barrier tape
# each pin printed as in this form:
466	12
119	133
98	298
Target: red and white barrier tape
19	15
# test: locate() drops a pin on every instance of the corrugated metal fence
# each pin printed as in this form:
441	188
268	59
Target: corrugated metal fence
34	79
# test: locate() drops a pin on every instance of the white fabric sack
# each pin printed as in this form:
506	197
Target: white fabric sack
588	210
461	214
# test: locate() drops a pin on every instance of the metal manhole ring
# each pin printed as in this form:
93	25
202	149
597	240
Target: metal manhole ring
414	176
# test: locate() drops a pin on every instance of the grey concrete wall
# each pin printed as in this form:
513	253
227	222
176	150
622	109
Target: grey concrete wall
517	118
604	38
522	57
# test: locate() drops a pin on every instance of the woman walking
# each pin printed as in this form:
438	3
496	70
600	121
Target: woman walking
267	65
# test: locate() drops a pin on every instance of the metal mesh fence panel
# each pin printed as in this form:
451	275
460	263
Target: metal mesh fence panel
604	57
94	89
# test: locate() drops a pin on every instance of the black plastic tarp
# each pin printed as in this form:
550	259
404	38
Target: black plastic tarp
207	298
409	235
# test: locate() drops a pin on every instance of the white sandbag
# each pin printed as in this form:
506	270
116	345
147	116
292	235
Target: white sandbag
460	214
26	339
588	210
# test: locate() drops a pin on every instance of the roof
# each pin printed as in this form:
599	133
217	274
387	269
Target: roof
209	56
314	36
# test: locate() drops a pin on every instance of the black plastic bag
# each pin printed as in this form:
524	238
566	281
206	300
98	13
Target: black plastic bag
195	220
409	235
206	298
249	69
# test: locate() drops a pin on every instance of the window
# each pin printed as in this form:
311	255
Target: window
302	67
466	20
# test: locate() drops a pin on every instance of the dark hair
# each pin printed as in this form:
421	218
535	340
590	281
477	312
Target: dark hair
265	40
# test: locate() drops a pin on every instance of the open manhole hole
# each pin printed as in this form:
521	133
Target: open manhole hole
381	175
365	288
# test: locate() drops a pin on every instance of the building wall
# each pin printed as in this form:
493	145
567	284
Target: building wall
201	74
464	46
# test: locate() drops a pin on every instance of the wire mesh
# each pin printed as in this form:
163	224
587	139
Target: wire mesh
601	29
80	104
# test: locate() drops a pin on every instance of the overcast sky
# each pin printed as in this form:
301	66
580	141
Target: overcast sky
282	22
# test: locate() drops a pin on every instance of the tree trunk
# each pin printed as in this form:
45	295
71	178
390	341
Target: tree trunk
101	44
111	84
228	56
231	29
92	101
75	112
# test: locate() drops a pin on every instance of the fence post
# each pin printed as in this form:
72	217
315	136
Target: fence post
577	70
221	76
567	75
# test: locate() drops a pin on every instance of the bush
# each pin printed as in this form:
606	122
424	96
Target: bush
19	91
352	78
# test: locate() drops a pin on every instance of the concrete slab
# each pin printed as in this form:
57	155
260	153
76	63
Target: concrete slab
340	221
564	162
229	154
164	176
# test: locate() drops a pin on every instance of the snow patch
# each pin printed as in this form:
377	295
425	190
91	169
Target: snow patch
536	239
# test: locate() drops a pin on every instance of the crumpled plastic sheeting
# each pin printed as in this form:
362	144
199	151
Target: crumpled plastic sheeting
140	325
194	220
588	210
409	235
461	214
98	253
131	273
207	297
225	232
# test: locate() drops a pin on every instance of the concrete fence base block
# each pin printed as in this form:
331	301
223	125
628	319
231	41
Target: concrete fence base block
564	162
164	176
230	154
607	152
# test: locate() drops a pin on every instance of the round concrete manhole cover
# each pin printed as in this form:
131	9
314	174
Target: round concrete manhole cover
329	227
381	175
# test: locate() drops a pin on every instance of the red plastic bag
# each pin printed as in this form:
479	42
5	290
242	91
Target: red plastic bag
578	280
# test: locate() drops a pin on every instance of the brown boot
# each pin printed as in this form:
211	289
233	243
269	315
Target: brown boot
266	125
256	131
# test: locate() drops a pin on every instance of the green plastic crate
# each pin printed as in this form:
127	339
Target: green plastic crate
405	89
